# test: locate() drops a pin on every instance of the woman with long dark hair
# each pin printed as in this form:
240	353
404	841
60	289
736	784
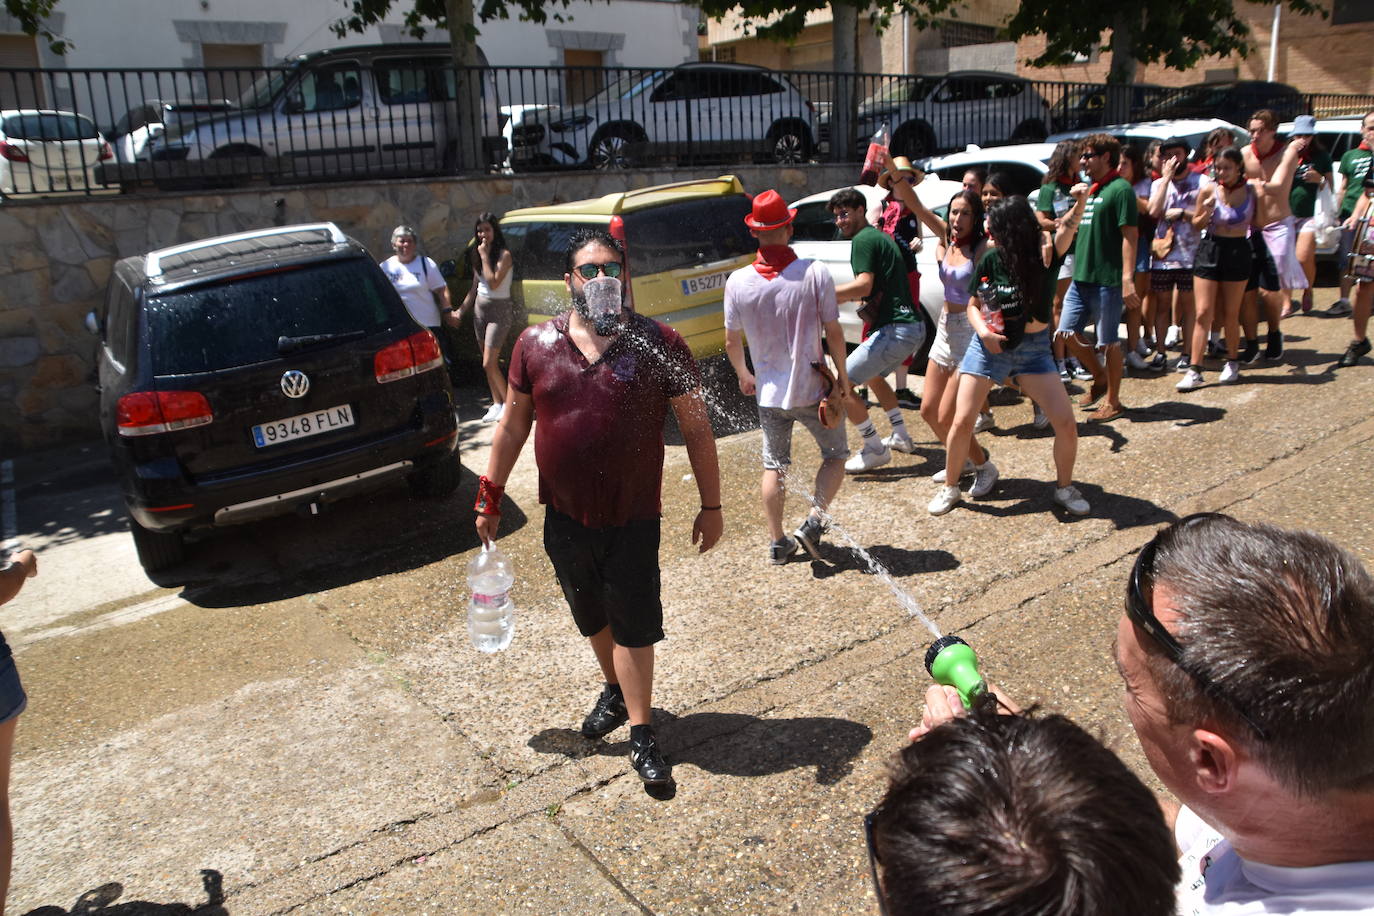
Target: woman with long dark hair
490	300
962	244
1010	310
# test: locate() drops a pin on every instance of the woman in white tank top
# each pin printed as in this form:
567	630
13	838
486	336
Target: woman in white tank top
489	298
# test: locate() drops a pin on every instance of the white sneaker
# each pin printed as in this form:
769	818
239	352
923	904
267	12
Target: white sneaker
1191	379
1183	364
1071	500
1041	419
984	479
900	443
1172	338
1340	307
969	470
494	413
866	460
1136	361
947	498
1230	373
985	421
1144	345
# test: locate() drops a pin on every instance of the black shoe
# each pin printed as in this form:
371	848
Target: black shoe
1353	353
1273	348
908	401
646	759
1216	349
809	535
607	715
1250	355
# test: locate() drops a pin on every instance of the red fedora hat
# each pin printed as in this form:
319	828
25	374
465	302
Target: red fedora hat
770	212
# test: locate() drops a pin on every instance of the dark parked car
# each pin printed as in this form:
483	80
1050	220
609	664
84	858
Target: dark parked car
1233	102
1083	107
248	375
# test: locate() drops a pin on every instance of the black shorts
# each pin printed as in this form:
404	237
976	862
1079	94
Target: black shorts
1225	260
1164	280
609	577
1264	273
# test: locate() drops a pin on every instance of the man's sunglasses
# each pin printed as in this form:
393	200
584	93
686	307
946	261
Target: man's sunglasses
1088	155
1138	609
589	271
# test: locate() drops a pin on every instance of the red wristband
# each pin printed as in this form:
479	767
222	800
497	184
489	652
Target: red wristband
488	497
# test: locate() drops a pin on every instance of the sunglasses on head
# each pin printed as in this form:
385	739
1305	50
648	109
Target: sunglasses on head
589	271
1138	609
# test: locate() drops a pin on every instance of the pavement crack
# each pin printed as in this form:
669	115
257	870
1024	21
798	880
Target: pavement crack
603	870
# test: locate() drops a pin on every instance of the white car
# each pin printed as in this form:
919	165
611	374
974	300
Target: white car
1194	130
50	153
1023	164
696	109
1339	136
815	237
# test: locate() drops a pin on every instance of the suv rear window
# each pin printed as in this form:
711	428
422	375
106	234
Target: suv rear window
540	250
685	234
237	323
49	127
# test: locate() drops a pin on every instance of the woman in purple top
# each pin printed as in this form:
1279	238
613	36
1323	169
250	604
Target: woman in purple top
1226	210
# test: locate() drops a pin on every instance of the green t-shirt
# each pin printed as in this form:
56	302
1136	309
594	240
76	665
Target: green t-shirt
998	273
1097	250
1303	198
1354	166
872	251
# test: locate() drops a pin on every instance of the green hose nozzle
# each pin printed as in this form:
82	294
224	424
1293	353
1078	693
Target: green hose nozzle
951	662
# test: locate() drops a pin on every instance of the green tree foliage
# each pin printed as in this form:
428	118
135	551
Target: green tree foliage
1178	33
32	16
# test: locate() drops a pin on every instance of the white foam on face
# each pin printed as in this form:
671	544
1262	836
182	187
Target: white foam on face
549	336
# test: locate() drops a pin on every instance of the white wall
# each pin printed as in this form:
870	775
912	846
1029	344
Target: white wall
168	34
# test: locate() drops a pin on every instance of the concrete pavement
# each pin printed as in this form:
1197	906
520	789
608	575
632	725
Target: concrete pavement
320	740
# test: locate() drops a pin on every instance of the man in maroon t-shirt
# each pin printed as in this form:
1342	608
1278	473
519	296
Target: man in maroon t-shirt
601	383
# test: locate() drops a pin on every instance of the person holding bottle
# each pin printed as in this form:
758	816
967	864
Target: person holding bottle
602	379
1010	309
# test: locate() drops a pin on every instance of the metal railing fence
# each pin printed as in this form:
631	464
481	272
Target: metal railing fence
334	118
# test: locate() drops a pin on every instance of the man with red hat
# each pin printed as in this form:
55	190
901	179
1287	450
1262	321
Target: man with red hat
783	305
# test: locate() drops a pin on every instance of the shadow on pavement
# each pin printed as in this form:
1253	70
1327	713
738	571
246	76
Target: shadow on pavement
838	558
1023	496
100	901
353	540
755	747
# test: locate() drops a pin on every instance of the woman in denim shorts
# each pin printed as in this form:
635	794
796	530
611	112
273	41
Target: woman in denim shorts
1018	280
21	566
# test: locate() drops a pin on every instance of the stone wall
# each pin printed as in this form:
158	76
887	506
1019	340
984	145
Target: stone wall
56	257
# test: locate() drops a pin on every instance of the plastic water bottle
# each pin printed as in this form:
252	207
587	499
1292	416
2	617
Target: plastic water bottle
491	616
992	310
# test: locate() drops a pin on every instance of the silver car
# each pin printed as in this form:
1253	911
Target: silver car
700	109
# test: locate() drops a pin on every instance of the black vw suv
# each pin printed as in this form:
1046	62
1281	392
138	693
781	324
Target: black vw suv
248	375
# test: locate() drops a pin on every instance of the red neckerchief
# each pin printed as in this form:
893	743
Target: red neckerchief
1155	175
1106	180
1364	145
773	260
970	241
1231	187
1278	148
1197	168
1067	181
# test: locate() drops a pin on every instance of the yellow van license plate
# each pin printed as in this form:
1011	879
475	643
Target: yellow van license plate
693	285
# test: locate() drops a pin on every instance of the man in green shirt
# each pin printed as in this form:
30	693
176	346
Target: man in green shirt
1353	169
1103	272
895	331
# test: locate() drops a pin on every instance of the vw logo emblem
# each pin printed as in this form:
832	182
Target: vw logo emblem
294	383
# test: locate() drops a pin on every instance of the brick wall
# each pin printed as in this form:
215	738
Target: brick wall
1314	56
